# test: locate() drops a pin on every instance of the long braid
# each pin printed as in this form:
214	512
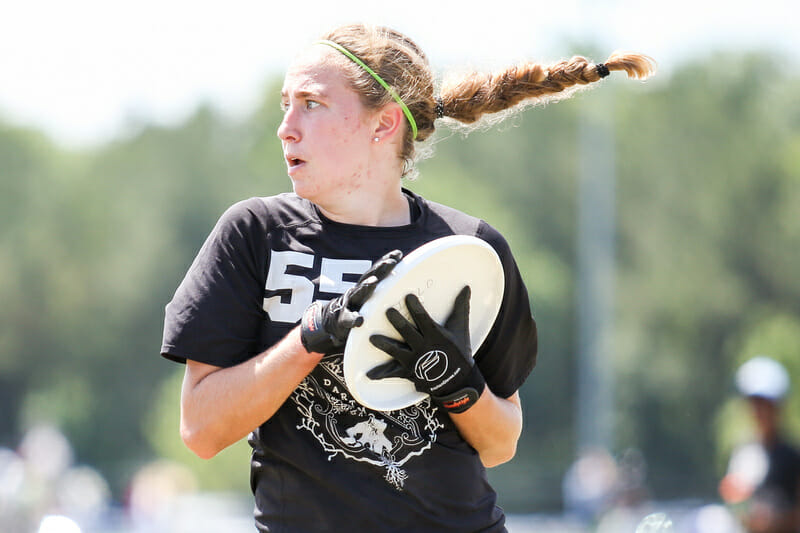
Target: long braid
478	94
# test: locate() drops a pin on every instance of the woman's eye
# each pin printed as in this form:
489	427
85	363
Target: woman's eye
310	104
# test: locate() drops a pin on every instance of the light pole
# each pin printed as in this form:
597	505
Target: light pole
595	273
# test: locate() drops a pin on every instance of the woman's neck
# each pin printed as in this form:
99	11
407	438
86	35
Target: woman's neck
390	208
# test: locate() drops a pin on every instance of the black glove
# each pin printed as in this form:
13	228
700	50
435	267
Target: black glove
437	359
325	325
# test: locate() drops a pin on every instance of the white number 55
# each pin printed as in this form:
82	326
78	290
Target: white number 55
301	288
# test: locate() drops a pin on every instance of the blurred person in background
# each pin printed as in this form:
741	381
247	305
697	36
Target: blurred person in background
763	477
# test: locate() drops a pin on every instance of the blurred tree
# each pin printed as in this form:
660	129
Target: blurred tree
705	244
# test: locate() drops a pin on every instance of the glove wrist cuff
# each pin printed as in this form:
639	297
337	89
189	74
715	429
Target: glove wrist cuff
312	334
464	398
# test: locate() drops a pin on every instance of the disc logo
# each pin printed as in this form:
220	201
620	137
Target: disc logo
431	366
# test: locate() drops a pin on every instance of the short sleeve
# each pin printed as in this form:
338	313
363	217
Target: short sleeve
216	313
508	354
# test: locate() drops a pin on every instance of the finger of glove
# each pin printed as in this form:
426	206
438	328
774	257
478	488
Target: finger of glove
420	315
360	293
405	328
391	369
458	321
348	320
399	350
381	268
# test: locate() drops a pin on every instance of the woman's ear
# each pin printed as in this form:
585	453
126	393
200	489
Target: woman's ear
389	121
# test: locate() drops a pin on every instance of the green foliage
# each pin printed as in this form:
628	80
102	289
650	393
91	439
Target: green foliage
93	243
705	246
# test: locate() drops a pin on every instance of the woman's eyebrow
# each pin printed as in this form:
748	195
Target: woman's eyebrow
304	93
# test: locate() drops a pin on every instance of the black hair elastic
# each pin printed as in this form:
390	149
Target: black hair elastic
602	70
439	107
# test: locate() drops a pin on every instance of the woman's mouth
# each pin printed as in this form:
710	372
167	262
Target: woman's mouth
294	162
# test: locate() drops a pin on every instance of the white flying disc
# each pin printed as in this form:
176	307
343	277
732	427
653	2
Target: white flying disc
436	272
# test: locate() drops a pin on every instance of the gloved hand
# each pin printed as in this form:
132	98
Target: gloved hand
437	359
325	325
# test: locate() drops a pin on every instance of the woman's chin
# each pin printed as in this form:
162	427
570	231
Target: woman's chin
304	190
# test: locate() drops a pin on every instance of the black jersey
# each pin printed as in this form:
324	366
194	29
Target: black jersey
781	484
324	462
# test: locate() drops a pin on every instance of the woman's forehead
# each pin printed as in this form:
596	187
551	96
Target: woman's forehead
314	68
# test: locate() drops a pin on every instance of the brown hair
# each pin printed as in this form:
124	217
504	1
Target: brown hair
403	65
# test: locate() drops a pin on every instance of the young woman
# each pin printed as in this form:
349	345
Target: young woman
263	314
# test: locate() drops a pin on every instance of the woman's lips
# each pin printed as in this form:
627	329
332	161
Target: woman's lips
294	163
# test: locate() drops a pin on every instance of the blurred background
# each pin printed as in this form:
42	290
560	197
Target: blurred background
656	224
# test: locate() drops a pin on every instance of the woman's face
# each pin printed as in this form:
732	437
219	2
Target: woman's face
326	131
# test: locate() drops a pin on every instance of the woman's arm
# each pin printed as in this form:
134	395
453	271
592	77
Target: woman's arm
492	426
220	406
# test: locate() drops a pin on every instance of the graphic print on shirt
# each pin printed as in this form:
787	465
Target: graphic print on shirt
341	425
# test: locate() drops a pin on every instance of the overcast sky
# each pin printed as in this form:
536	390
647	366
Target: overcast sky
81	70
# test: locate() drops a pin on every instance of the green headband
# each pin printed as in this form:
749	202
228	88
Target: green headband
374	74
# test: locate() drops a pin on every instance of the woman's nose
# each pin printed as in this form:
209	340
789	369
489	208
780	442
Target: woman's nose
287	131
